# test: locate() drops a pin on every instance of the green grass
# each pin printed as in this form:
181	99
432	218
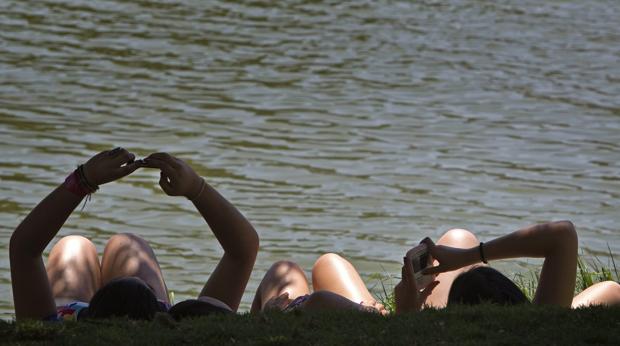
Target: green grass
484	324
473	325
590	270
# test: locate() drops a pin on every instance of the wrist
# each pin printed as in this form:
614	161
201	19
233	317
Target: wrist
86	176
77	184
473	255
197	192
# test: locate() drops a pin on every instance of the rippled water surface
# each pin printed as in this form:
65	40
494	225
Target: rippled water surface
356	127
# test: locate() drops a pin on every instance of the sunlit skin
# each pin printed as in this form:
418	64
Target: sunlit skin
336	286
74	272
556	242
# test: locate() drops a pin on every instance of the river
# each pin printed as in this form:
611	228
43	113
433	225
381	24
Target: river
356	127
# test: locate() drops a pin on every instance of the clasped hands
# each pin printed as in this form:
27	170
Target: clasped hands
177	178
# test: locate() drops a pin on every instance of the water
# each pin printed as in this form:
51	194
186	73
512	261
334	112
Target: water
353	127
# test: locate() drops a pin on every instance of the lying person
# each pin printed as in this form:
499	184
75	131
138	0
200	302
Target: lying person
128	280
463	276
460	276
336	284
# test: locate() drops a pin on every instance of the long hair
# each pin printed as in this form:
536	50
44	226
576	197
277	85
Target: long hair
484	285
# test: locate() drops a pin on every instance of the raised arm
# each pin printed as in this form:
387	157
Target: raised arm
32	294
235	234
556	242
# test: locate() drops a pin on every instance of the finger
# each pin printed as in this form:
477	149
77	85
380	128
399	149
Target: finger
428	290
122	156
430	245
162	165
169	159
165	185
408	275
129	168
434	270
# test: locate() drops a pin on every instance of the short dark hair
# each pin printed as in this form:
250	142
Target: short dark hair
195	308
484	285
124	297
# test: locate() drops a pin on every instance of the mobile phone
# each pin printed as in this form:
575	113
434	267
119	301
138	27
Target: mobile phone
420	259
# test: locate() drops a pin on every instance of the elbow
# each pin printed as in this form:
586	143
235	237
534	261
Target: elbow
15	247
253	244
248	249
21	248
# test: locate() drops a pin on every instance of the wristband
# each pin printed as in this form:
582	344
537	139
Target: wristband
77	184
84	181
484	260
202	188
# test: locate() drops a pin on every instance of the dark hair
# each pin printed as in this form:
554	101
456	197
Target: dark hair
128	296
195	308
484	285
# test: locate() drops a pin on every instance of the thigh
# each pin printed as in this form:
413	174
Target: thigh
459	238
128	255
73	270
333	273
282	277
602	293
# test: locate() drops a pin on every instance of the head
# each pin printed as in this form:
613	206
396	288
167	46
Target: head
128	296
484	285
202	306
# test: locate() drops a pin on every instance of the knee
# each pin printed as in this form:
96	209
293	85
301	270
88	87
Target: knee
72	248
282	268
125	238
458	236
328	259
73	244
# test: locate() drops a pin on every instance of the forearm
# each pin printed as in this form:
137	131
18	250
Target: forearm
41	225
538	241
233	231
542	240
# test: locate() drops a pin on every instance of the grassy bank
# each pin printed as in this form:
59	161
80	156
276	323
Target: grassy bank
462	325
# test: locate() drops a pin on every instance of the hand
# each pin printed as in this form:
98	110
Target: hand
110	165
177	178
449	258
278	303
406	294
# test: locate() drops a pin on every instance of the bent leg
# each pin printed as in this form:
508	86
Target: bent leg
128	255
335	274
459	238
282	277
602	293
73	270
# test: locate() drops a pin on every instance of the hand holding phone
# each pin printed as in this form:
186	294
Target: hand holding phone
420	259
